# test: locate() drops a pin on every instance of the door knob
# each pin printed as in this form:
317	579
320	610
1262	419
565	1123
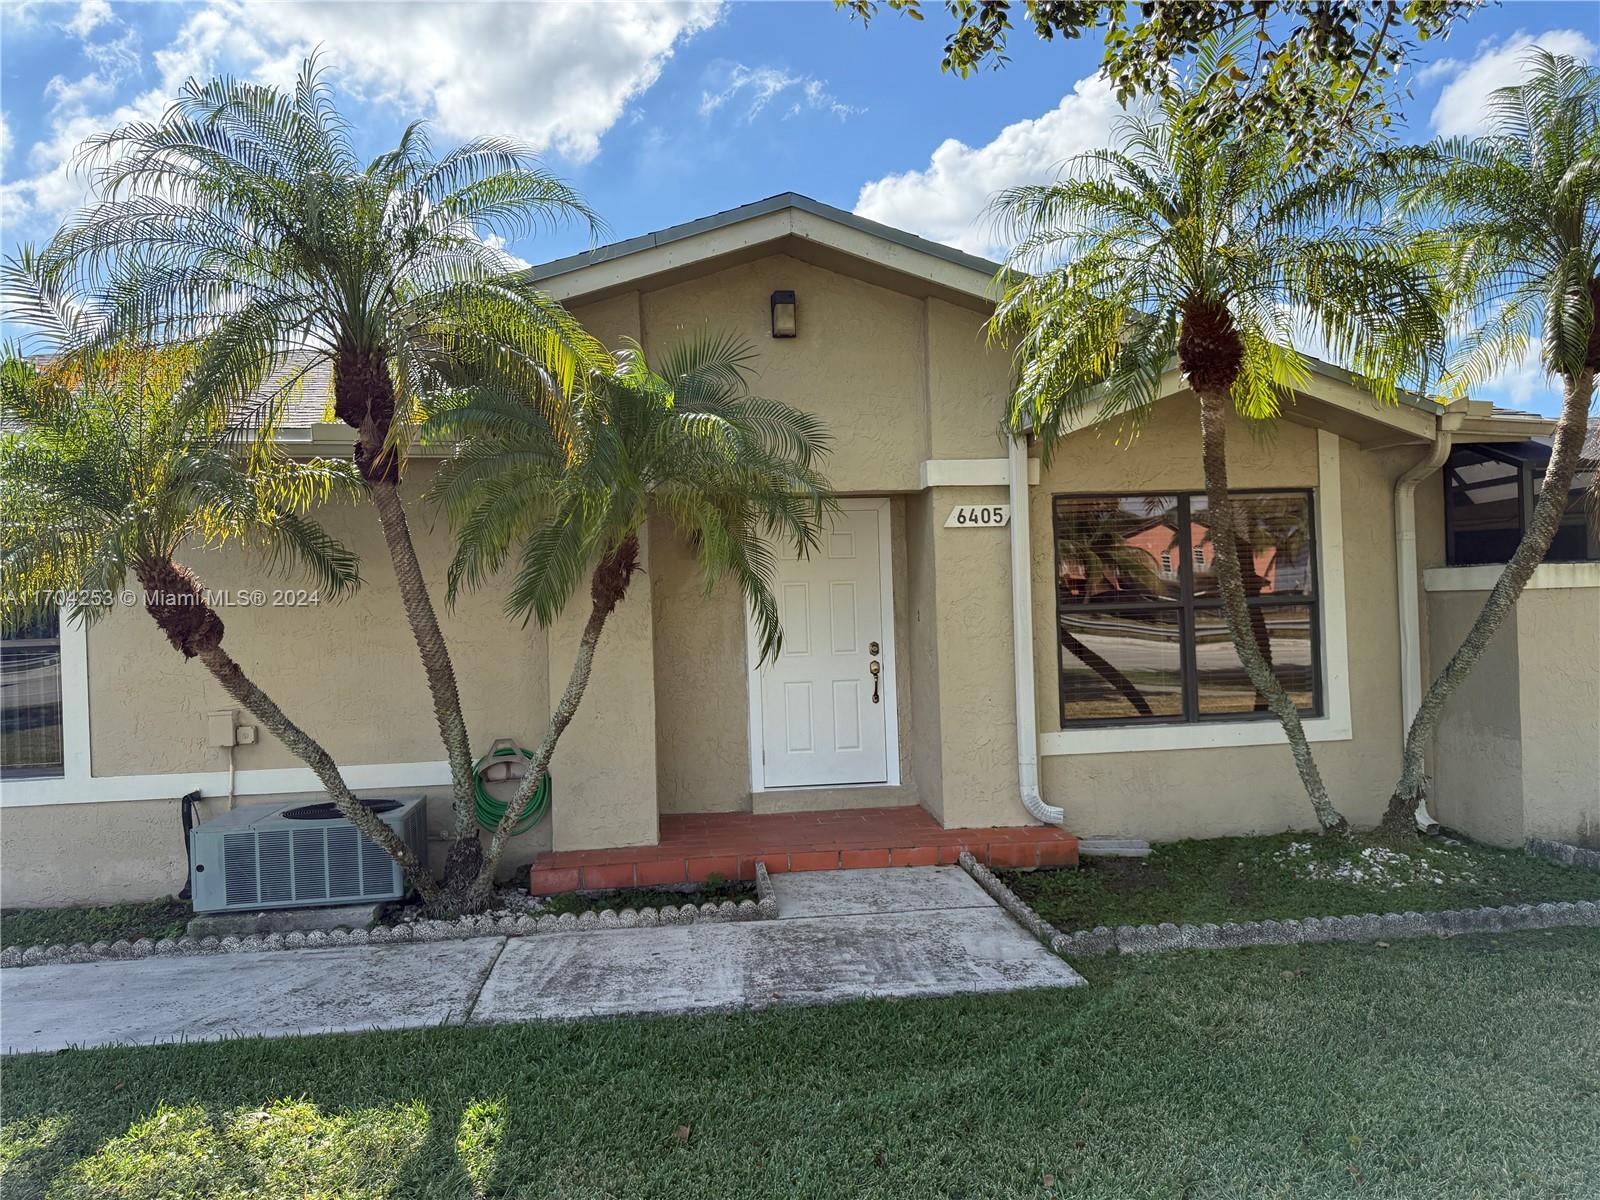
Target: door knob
875	668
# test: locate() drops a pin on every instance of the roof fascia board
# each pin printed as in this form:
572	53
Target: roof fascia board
626	269
623	263
1413	417
908	260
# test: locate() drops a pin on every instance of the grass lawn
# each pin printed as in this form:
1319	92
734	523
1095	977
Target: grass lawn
1462	1068
1293	875
63	926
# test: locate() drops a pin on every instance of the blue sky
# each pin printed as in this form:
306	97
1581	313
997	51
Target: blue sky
660	113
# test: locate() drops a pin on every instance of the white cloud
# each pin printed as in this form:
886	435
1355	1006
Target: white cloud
946	200
757	87
555	75
495	242
90	15
1524	384
1462	109
5	138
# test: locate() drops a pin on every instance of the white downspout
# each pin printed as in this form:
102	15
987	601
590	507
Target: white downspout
1405	559
1022	639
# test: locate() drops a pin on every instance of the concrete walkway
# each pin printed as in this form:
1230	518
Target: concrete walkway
841	934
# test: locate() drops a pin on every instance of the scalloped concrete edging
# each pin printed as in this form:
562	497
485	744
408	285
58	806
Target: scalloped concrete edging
766	894
1148	939
1563	854
765	908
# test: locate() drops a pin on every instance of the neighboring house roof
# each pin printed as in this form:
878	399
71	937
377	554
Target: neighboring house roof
803	226
307	399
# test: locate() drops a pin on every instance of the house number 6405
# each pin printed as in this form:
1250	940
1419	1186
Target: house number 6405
979	516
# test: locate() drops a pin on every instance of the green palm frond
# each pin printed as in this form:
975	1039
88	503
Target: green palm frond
1510	222
243	221
737	475
1176	215
109	469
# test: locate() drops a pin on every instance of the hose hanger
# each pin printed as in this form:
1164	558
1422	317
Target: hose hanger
506	759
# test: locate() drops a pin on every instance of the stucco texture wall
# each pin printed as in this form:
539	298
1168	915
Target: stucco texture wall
1171	794
1558	632
862	362
1518	749
347	672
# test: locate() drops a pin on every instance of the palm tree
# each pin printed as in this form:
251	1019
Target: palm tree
244	217
1514	220
109	470
1184	243
733	473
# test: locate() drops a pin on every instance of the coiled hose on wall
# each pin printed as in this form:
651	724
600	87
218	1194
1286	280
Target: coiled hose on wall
490	811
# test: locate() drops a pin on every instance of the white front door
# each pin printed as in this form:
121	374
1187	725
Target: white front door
825	718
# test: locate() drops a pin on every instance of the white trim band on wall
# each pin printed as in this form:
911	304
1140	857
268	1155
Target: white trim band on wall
972	472
77	783
1482	578
266	781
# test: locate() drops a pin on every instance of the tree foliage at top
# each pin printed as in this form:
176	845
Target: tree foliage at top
244	218
1309	70
1180	244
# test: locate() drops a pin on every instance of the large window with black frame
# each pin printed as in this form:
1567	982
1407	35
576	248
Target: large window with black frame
1490	490
30	698
1142	636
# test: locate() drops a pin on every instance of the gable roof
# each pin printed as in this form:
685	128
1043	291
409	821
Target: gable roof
831	237
788	222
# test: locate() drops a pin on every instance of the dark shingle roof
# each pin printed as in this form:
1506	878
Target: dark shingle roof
747	212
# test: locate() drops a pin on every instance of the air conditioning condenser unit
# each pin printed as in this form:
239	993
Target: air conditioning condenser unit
299	856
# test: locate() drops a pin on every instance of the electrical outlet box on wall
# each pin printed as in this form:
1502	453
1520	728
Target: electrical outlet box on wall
220	729
246	735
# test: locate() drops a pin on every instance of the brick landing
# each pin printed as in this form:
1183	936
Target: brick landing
694	846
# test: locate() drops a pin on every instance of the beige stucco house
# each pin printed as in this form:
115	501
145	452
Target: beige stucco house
985	636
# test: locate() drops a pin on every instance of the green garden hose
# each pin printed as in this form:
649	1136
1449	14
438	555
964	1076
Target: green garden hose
489	810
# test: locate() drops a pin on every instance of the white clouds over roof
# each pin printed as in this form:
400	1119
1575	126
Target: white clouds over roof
946	199
555	75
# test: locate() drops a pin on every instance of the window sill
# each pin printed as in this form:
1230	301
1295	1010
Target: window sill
1482	577
1207	736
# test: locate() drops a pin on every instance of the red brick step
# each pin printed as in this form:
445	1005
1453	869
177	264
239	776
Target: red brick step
695	846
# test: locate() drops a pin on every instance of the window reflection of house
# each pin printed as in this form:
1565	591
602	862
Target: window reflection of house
1142	633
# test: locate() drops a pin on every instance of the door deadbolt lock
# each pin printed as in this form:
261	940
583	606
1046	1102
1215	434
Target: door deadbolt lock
872	649
876	668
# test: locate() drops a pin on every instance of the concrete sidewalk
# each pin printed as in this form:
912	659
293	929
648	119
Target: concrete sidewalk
903	932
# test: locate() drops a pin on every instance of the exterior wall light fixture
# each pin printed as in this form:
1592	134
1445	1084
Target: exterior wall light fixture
784	324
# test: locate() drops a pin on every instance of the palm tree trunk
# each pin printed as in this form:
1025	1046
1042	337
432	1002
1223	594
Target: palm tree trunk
306	748
607	586
176	602
465	855
1119	682
1411	789
1230	582
1258	619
